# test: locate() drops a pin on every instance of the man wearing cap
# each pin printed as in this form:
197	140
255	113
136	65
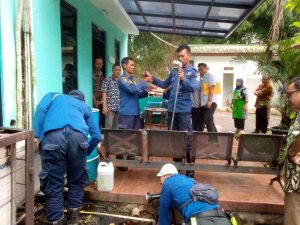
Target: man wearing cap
62	123
176	193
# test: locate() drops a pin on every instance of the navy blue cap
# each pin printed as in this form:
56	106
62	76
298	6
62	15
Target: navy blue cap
77	94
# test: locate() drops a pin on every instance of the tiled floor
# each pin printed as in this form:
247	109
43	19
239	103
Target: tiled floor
238	192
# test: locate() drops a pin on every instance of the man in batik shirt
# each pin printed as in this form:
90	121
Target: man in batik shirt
291	170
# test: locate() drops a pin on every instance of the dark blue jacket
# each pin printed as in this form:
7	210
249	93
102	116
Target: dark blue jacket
175	192
186	87
130	92
56	111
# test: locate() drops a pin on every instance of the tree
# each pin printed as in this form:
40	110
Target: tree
281	63
152	54
294	7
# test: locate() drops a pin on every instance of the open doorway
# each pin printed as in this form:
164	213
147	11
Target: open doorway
98	45
227	89
117	51
68	46
98	51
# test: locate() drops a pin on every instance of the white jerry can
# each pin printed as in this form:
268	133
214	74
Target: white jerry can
105	176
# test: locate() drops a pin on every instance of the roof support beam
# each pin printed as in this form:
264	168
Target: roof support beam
184	28
211	19
173	15
207	15
191	2
142	13
185	34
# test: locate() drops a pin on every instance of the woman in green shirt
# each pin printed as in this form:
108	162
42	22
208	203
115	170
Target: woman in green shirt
239	105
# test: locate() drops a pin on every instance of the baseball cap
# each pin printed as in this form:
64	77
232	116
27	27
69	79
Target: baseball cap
167	169
77	94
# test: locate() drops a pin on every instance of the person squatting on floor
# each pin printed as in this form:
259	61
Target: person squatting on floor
176	194
291	169
62	124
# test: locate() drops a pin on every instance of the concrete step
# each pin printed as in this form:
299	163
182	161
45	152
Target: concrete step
238	192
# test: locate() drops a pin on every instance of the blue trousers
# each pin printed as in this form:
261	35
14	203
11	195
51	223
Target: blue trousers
63	151
129	122
182	122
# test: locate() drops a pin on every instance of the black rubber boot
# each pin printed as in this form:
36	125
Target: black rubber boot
58	222
73	216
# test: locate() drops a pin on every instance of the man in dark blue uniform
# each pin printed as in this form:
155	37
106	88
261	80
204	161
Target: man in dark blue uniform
62	124
176	194
186	78
130	92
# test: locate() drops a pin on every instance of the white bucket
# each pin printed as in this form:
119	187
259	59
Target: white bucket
105	177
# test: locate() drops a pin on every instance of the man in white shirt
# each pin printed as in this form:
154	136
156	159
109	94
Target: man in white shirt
208	100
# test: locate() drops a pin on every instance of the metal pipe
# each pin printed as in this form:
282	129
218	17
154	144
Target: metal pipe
176	65
23	216
19	80
117	216
32	61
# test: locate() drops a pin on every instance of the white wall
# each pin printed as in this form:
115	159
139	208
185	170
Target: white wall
247	71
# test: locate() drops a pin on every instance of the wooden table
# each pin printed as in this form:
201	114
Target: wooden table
149	112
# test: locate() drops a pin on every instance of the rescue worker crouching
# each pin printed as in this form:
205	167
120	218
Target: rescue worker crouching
176	192
62	123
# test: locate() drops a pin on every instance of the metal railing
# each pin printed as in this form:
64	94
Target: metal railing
14	164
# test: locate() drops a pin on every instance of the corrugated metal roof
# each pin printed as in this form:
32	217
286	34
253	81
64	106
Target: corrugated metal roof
227	49
207	18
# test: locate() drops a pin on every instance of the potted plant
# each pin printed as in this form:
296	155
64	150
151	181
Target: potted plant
281	63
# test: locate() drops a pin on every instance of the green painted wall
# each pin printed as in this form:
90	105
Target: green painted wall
1	77
87	15
47	46
8	11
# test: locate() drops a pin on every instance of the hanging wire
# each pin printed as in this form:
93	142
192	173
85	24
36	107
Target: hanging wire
168	43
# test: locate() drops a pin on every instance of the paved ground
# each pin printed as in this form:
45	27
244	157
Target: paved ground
224	122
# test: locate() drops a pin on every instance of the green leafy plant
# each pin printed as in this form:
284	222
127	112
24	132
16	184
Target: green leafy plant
294	7
281	63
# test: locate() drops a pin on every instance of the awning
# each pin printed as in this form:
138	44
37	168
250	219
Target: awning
206	18
113	11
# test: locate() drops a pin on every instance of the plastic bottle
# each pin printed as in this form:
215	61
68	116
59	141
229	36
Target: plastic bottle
105	177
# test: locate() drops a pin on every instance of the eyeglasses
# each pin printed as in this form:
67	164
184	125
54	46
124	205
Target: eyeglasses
289	94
